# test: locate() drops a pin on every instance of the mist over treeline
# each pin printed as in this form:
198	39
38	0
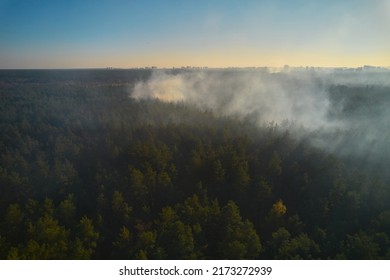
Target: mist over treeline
344	111
194	164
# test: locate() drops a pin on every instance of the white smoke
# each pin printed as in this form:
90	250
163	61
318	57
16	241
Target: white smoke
342	111
298	97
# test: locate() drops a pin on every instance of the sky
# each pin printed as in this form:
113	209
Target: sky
175	33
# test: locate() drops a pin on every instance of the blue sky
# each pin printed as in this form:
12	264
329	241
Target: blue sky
214	33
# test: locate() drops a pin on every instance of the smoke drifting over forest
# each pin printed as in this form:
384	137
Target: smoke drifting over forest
344	111
297	97
201	174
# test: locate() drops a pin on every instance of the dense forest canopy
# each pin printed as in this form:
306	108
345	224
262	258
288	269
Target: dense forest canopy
109	164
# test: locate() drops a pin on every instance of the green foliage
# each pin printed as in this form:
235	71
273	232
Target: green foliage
4	248
67	210
48	240
87	236
175	238
360	246
86	172
284	246
239	239
121	211
14	221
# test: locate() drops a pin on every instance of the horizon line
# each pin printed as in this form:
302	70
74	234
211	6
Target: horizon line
204	67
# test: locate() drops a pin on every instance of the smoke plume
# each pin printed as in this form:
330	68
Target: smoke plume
340	110
278	97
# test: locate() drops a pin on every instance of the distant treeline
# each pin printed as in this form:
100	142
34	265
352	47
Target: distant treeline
86	172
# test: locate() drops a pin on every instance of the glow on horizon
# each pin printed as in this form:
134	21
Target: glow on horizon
207	60
172	33
212	59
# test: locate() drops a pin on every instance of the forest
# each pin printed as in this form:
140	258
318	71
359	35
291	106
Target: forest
89	172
